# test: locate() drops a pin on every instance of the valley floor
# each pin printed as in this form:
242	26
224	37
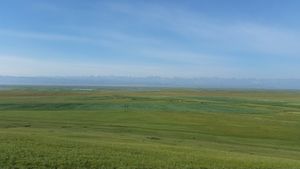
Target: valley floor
149	128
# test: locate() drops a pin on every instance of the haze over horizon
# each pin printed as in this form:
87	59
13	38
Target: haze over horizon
170	38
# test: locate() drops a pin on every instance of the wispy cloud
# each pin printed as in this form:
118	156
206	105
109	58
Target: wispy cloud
119	38
232	35
27	66
44	36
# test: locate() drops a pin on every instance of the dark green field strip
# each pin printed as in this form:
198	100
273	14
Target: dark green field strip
59	106
143	106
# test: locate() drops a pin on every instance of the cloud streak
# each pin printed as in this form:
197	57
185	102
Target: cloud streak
233	35
44	36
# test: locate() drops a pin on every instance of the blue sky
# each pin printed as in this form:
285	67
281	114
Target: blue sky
168	38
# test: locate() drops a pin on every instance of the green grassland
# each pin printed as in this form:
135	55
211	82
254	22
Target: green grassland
149	128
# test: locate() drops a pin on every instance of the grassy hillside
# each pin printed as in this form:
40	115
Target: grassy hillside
119	128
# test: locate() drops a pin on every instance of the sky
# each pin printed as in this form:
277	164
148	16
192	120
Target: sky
139	38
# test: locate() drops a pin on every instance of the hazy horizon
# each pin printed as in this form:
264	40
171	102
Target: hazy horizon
186	39
123	81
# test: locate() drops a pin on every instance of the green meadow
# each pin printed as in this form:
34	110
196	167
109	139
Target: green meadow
148	128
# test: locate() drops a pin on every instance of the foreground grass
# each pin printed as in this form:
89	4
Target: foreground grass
149	128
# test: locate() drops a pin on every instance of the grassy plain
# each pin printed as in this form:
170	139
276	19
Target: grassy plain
144	128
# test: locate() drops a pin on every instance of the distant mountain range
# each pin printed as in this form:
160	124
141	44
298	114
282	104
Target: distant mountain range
154	82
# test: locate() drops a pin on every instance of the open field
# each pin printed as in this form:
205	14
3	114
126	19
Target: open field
140	128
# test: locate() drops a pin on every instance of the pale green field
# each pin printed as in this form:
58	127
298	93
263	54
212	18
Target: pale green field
119	128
